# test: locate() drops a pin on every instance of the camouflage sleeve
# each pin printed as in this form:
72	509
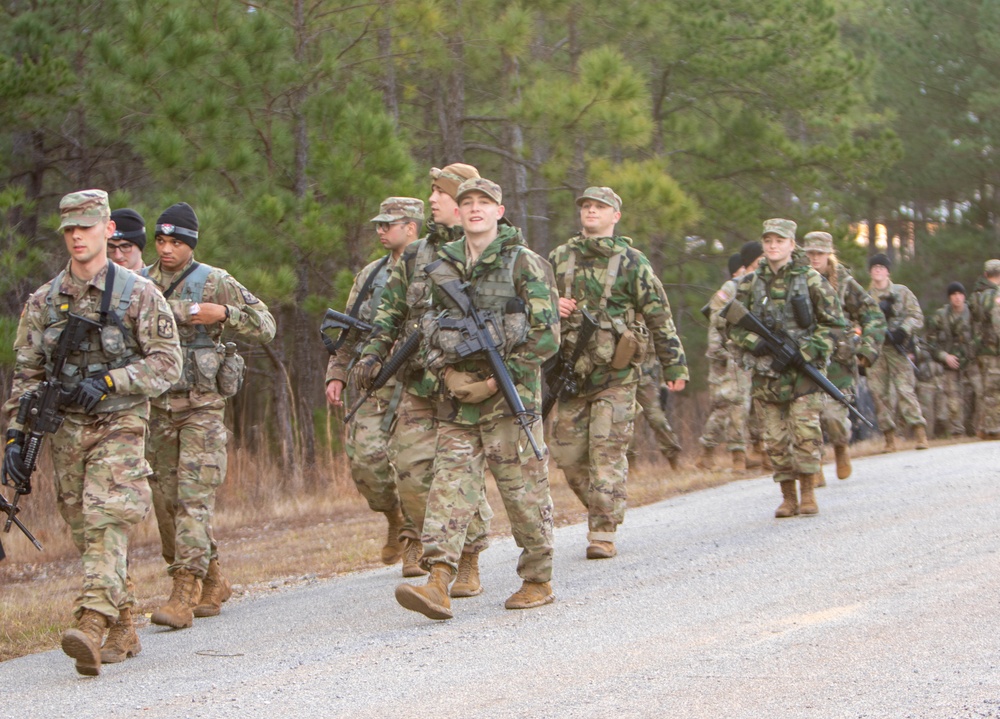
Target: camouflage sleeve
716	324
932	333
392	310
861	308
535	284
828	315
248	315
29	363
912	317
151	320
652	303
744	339
336	368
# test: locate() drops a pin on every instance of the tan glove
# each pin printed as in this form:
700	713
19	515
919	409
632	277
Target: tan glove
466	387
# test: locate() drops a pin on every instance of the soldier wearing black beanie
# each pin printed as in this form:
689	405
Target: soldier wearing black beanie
125	246
180	222
880	259
750	251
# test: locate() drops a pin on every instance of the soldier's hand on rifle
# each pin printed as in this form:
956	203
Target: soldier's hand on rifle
367	370
898	335
15	473
92	390
566	307
334	392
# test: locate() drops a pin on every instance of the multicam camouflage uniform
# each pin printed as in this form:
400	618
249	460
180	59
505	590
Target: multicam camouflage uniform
100	469
615	282
891	371
188	437
647	396
949	332
515	284
790	403
984	304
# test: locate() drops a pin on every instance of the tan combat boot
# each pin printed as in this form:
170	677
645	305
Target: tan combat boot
83	642
739	460
765	461
807	505
431	600
178	612
674	458
890	441
920	434
707	459
122	641
601	550
790	507
393	548
411	558
819	479
467	582
843	457
530	595
215	590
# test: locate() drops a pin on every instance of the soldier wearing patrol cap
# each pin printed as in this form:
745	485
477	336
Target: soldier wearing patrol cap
851	351
398	225
602	272
985	307
187	434
792	298
129	239
131	354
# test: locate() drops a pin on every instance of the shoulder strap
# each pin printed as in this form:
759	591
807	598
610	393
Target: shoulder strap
614	262
358	301
570	273
170	290
50	299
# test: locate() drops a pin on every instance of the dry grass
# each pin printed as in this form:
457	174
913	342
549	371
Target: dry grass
272	533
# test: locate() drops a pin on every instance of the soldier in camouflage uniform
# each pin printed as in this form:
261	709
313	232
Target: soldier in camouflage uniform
476	427
949	334
985	309
97	453
892	370
930	386
602	272
405	300
647	397
398	225
129	239
789	296
188	436
851	351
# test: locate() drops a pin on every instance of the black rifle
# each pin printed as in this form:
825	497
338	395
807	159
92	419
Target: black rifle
41	412
561	379
902	350
477	338
345	323
784	353
886	305
390	368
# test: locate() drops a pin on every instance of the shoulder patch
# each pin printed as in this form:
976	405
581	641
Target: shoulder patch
248	297
165	326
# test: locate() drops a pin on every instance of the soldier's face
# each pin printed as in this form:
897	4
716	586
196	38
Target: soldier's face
957	301
173	253
444	209
598	219
394	236
125	254
819	260
777	249
879	275
86	243
479	213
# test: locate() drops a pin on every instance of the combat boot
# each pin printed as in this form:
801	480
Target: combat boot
819	479
83	642
920	434
765	461
842	455
739	460
122	641
601	550
807	504
530	595
890	441
707	459
467	582
674	458
393	548
411	558
431	600
215	590
178	612
790	507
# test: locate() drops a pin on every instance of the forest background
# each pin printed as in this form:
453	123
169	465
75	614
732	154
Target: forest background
285	123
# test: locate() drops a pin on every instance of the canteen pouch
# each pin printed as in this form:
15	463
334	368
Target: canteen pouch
231	371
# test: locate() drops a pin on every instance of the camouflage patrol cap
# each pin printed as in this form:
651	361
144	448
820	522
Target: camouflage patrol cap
451	176
601	194
818	242
85	208
992	267
779	227
480	184
400	208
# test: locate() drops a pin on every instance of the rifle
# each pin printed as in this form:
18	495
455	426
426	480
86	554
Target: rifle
389	369
41	412
784	353
902	350
562	379
478	339
886	305
345	323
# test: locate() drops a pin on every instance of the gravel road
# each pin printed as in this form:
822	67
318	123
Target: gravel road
885	605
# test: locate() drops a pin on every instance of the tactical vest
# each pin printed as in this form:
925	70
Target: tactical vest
109	348
491	293
370	305
780	314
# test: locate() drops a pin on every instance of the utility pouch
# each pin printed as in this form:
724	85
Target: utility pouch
626	348
207	361
231	372
113	341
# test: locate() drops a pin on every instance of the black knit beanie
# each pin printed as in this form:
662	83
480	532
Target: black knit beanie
735	263
129	226
750	251
879	259
180	222
955	287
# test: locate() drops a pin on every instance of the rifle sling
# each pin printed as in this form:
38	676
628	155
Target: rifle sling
358	301
170	290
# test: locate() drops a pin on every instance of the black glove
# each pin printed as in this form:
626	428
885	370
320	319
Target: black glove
15	472
367	370
92	390
897	336
759	348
